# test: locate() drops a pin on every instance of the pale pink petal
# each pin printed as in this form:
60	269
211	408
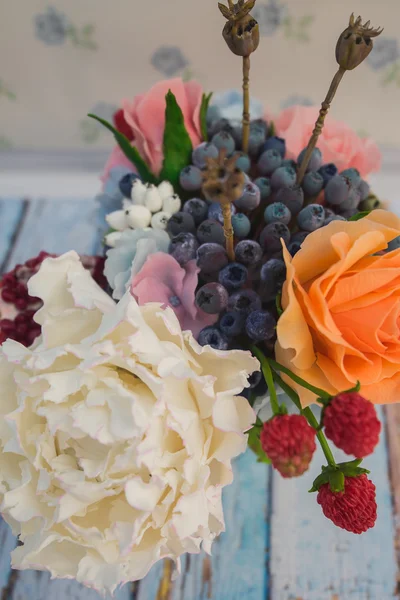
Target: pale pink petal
140	140
196	325
116	159
150	290
189	288
194	93
163	268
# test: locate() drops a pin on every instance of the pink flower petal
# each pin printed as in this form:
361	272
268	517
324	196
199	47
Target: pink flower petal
194	93
163	268
189	288
117	159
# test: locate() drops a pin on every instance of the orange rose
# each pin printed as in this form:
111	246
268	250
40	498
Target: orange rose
341	301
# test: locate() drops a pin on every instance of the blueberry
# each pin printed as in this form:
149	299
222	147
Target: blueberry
273	275
394	244
183	247
213	114
277	212
289	162
212	298
260	325
220	125
275	143
215	212
283	177
181	222
315	160
347	214
271	235
244	301
364	190
125	184
241	225
353	175
259	124
269	161
202	152
233	276
333	217
232	324
197	208
264	185
211	258
250	198
296	241
337	190
243	162
248	252
327	171
254	379
210	231
293	247
311	217
212	336
224	140
352	200
257	137
312	183
190	178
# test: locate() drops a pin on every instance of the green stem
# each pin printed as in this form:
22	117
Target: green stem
309	415
267	372
315	390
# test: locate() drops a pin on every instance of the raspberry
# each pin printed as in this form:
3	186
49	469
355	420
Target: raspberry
289	442
351	423
355	508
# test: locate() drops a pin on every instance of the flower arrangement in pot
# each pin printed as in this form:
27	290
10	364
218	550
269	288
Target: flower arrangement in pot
239	272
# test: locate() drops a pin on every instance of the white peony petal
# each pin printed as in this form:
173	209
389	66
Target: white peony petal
143	496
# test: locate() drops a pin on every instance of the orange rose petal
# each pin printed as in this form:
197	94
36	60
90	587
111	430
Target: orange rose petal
362	283
368	299
367	370
386	391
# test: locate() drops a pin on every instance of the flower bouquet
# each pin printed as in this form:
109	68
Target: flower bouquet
245	281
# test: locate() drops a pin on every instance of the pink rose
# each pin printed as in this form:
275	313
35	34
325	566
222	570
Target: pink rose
338	143
162	279
145	115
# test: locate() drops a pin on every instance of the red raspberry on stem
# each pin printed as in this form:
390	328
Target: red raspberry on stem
289	442
351	423
355	508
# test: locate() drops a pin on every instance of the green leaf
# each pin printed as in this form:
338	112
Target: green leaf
278	303
177	144
360	215
205	102
318	481
130	152
255	445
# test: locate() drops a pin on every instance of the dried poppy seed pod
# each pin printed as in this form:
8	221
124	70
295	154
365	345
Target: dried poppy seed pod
355	43
241	31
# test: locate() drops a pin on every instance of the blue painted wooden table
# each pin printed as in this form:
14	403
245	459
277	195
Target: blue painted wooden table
277	543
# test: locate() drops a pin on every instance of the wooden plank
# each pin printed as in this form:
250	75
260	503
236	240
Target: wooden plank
393	437
11	215
237	568
57	226
311	559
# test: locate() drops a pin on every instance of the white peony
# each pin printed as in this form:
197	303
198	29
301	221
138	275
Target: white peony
117	432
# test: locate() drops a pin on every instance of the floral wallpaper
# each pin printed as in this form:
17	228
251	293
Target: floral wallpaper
71	58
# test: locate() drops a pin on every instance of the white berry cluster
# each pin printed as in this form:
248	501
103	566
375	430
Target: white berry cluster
150	206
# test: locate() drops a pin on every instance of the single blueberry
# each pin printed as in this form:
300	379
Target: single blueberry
275	143
243	162
269	161
211	258
244	301
364	190
272	235
333	217
337	190
241	225
352	200
224	141
191	178
277	212
233	276
327	171
260	325
212	336
210	231
312	183
220	125
311	217
181	222
215	212
273	275
283	177
232	324
248	252
264	185
202	152
250	198
254	379
212	298
256	138
125	184
289	162
352	174
197	208
183	247
315	160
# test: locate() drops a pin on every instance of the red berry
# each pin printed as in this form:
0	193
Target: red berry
355	508
7	326
121	124
8	296
21	303
289	441
351	423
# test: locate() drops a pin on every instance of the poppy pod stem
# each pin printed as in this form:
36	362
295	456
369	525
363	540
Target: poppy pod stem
325	106
228	230
165	587
246	104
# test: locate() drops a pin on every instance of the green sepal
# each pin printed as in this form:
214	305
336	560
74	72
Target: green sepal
336	481
335	475
255	445
177	145
130	151
359	215
278	303
205	103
